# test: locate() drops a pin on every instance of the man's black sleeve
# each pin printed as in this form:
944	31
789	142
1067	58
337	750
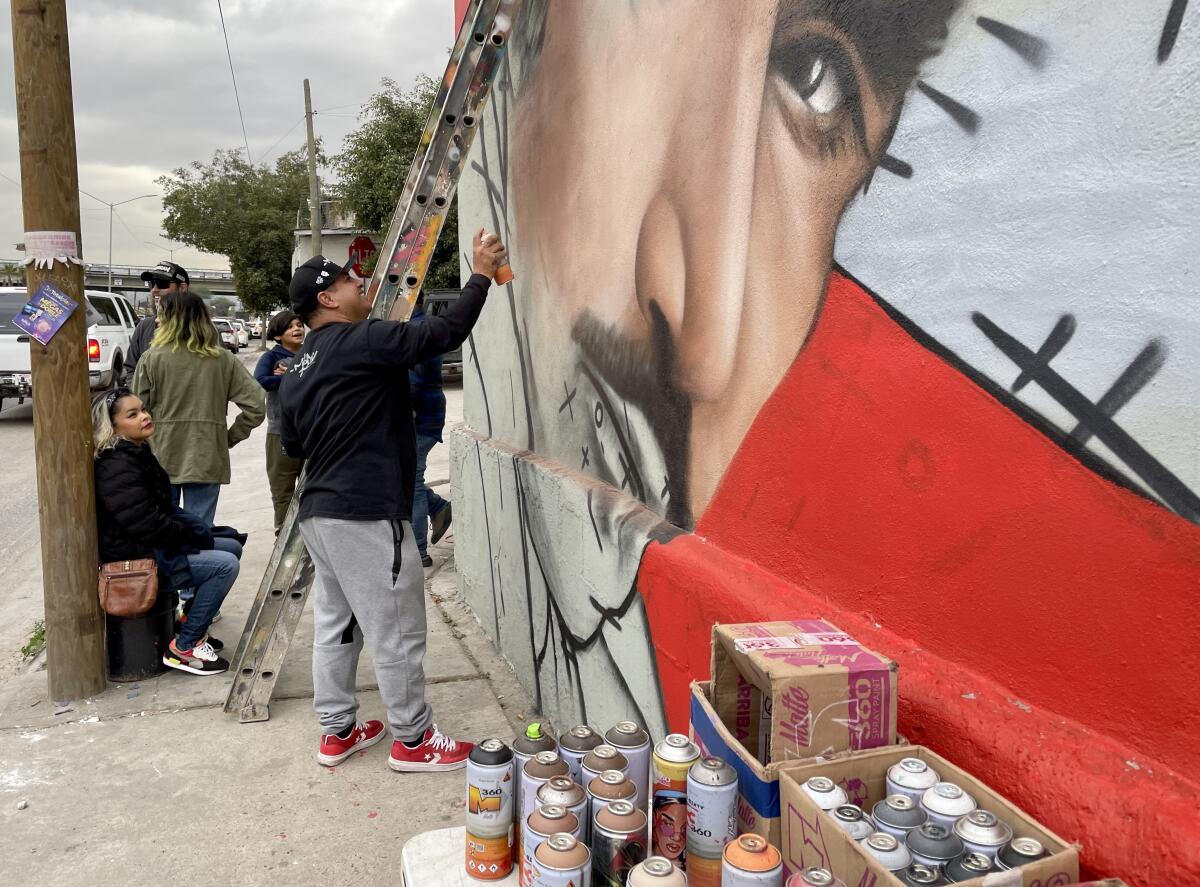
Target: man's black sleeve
407	344
142	334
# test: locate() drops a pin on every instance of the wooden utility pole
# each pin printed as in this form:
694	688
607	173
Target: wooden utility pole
314	190
62	425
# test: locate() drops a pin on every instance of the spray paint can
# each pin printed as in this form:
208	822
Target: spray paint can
921	875
673	758
632	740
574	746
544	767
933	845
911	777
490	803
853	821
504	273
982	831
524	748
609	786
547	820
1018	852
814	877
601	758
897	815
824	793
890	853
968	866
562	861
945	803
751	861
565	792
712	790
656	872
618	843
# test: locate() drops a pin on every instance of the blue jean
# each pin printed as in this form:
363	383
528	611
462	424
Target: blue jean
213	574
426	503
198	499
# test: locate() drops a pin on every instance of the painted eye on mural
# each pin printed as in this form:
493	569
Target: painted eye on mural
819	87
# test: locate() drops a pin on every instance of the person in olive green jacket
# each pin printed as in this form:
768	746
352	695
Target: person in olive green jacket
187	381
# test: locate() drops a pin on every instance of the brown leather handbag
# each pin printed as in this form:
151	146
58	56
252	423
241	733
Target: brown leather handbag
128	588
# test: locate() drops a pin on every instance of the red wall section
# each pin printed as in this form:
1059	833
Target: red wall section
906	493
1135	818
460	9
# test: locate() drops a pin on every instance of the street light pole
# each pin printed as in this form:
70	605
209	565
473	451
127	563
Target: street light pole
111	207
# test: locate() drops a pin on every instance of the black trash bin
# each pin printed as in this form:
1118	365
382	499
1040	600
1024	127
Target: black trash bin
136	646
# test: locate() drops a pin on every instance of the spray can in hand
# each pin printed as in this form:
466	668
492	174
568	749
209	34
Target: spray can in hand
504	274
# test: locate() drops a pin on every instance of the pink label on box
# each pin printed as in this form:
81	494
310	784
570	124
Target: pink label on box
869	708
742	717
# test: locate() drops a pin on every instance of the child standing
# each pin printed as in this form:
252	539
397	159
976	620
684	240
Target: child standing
287	332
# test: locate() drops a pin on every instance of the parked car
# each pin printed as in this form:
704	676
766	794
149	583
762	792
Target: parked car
243	332
437	301
256	328
15	374
110	321
227	334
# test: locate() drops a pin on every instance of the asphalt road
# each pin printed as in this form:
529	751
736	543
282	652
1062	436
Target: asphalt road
20	551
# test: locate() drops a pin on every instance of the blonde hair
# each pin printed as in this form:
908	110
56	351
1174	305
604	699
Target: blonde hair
184	323
104	435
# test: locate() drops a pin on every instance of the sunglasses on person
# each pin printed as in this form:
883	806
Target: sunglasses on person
160	283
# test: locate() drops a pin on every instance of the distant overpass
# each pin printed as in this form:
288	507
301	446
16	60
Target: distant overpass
127	279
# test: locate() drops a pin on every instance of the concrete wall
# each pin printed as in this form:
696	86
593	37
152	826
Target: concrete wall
883	311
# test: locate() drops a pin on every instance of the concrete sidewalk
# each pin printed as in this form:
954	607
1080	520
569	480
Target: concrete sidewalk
151	783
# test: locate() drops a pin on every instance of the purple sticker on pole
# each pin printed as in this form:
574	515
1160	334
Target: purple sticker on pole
45	312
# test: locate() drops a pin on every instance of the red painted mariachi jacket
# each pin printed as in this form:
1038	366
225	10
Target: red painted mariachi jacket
881	479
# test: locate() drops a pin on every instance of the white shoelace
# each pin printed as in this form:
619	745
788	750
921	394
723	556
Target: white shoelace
440	741
205	651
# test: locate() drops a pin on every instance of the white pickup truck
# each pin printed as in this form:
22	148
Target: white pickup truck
110	322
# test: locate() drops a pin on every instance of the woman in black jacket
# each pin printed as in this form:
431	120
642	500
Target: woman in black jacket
137	518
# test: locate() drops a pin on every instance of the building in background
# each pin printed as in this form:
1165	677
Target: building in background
342	240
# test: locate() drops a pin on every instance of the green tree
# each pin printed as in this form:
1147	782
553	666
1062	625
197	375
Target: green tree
220	307
375	160
12	274
244	212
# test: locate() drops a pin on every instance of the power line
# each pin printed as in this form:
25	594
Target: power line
267	153
233	76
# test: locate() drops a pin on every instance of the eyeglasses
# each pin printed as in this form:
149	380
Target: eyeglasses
159	283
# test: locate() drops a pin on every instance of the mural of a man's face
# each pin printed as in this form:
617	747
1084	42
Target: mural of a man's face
677	185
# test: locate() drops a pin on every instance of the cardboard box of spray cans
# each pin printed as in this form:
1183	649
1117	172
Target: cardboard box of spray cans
811	837
801	689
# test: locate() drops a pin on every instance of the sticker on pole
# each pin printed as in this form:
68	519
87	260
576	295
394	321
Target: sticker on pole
45	312
44	248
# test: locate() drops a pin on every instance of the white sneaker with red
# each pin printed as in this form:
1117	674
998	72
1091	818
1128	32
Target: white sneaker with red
436	752
334	750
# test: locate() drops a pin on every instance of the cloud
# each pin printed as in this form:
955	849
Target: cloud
152	92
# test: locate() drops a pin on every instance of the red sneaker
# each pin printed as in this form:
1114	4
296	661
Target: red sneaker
436	752
334	750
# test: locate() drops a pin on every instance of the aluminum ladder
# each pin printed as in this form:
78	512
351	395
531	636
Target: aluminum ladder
411	238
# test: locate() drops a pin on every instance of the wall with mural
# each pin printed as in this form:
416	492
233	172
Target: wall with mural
885	310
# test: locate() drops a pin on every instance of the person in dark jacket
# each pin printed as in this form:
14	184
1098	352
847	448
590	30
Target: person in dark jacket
430	511
287	332
137	518
344	407
163	279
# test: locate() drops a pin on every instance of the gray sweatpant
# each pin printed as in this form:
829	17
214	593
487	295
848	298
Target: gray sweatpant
369	585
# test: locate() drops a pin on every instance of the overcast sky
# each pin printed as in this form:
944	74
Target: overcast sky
153	92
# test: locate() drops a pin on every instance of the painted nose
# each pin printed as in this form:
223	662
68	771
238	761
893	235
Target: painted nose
694	236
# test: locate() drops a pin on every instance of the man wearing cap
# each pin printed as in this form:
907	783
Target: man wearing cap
345	409
163	278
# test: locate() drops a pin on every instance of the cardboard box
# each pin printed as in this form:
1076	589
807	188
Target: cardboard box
801	689
758	784
810	837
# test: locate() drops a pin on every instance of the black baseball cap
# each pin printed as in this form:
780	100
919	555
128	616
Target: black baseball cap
167	271
309	280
